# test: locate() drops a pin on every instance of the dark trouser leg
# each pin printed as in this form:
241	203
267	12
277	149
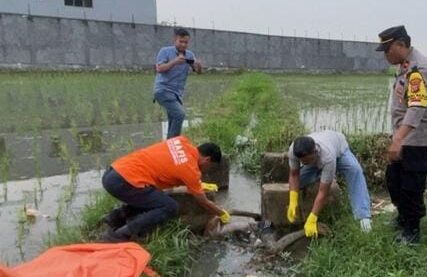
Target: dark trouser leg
154	206
414	170
412	199
118	217
394	185
113	183
158	208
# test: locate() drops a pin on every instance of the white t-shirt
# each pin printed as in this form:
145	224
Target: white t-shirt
330	145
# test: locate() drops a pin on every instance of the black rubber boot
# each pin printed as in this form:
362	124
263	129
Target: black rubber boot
397	223
409	237
116	218
122	234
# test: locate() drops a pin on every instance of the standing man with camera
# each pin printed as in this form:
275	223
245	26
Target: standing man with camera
407	154
172	66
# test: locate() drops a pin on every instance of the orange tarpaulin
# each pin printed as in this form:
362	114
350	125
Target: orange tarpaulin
86	260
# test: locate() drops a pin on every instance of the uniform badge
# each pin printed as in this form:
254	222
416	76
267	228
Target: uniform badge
416	93
415	84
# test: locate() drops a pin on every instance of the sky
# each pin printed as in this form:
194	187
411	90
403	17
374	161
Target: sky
359	20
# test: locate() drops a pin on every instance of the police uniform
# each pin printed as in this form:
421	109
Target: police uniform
406	177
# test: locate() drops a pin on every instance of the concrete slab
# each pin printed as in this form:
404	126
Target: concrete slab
189	210
274	168
219	174
275	201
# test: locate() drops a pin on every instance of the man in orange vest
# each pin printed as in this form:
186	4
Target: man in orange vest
138	179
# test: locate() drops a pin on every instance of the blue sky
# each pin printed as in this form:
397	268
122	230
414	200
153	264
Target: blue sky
360	20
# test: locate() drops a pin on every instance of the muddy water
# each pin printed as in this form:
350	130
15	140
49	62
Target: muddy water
34	155
226	258
22	241
40	154
358	119
369	117
37	155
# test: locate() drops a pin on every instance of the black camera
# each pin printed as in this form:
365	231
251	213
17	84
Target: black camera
189	61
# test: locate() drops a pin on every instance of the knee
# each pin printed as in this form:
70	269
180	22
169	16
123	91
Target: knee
171	208
177	112
107	179
356	170
179	115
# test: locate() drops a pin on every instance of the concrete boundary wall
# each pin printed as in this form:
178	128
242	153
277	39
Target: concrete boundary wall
60	43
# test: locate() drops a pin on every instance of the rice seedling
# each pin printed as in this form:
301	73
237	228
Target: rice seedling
5	161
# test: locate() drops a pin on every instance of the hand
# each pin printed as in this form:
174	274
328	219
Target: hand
394	150
180	59
293	204
198	66
310	227
225	217
210	187
365	225
399	91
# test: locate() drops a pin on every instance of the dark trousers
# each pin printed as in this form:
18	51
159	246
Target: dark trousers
146	207
406	182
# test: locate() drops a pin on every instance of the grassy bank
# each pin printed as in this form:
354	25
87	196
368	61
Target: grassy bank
169	245
249	119
351	253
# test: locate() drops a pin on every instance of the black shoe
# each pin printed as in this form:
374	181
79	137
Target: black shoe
116	236
408	237
112	237
115	219
397	223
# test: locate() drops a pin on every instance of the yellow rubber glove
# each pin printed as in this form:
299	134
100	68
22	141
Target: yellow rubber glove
225	217
310	226
293	204
209	187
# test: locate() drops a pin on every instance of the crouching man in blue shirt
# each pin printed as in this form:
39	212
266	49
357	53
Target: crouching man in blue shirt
172	66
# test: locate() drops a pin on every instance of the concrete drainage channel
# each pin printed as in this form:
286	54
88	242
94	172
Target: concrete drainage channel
255	249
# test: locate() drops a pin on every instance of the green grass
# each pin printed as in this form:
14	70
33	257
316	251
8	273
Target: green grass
170	248
252	108
351	252
169	245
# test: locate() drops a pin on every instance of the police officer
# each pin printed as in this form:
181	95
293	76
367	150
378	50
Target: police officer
407	154
172	66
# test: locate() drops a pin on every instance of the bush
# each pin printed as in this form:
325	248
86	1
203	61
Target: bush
371	150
